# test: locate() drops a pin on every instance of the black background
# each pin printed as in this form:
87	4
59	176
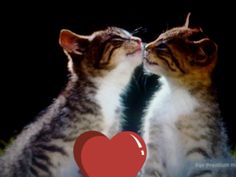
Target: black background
34	66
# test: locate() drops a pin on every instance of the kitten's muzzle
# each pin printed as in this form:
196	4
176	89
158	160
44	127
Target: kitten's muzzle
138	45
138	40
146	58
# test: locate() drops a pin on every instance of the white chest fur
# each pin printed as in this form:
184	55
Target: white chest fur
108	98
167	106
169	103
109	91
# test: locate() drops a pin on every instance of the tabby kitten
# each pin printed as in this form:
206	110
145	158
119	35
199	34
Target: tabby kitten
183	127
101	66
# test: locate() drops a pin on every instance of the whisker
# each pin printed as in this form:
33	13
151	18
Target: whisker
139	30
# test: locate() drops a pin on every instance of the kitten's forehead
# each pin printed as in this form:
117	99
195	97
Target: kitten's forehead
178	32
111	31
118	31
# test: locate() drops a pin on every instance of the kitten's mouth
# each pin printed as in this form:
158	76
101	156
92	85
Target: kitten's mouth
150	62
139	49
147	60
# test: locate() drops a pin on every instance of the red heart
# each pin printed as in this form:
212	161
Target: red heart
97	156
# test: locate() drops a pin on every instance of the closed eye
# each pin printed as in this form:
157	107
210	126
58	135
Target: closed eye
162	46
118	39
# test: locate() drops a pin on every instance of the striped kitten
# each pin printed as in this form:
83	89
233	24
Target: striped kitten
183	127
101	66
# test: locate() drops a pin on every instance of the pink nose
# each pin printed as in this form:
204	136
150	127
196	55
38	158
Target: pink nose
140	46
137	39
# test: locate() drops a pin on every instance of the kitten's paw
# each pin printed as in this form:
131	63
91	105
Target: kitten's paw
152	174
157	174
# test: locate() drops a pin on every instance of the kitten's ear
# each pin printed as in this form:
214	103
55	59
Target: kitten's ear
73	43
186	24
208	49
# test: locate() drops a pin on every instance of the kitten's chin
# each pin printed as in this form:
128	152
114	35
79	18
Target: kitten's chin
153	69
135	58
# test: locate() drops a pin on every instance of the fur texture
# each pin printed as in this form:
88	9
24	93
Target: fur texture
101	66
183	126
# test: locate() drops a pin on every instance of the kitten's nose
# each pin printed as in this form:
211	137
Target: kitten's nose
137	40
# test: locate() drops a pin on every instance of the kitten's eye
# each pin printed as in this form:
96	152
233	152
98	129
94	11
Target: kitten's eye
197	36
161	47
117	39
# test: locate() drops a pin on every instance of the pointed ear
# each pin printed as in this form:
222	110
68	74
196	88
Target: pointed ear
186	24
207	46
73	43
207	51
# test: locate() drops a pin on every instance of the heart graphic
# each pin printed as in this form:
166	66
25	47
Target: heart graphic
98	156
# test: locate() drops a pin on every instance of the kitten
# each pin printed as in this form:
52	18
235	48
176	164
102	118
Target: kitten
101	66
182	126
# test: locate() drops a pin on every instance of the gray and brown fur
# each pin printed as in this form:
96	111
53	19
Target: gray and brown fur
101	66
183	127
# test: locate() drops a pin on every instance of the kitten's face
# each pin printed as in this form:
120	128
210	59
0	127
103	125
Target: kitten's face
101	52
181	52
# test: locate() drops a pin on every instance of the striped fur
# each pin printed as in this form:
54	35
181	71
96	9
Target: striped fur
183	126
101	66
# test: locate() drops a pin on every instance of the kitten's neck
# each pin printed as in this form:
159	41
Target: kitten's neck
199	90
101	91
92	85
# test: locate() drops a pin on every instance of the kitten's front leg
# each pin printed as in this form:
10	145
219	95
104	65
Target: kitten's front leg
153	166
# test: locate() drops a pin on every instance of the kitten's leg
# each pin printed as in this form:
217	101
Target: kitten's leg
198	149
196	139
153	166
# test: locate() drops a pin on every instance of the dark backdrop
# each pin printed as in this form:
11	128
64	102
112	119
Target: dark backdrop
34	66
